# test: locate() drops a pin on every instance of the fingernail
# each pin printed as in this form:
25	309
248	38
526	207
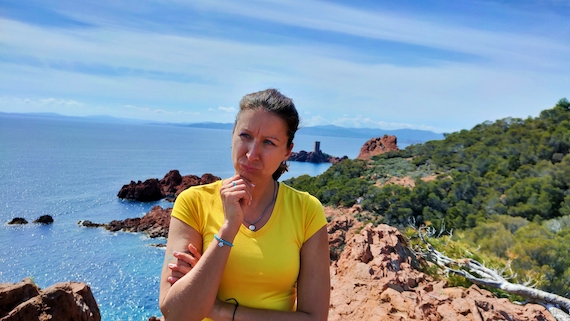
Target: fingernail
175	253
171	265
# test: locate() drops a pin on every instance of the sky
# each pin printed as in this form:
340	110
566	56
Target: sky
433	65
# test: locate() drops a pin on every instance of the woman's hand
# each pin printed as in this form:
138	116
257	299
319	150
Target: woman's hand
235	193
186	262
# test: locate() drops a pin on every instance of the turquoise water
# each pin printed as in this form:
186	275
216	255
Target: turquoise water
72	169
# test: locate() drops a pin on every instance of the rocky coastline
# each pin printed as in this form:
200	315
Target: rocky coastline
167	188
374	274
155	223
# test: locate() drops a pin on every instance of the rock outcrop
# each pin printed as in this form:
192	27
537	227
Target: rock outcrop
44	219
155	223
314	157
18	221
376	278
61	301
377	146
169	187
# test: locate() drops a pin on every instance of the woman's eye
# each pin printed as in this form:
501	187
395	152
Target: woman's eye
244	135
268	142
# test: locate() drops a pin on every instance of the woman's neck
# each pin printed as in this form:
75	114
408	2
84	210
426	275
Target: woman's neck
263	191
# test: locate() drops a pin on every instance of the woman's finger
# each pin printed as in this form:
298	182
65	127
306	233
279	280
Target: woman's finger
194	252
237	189
179	270
172	279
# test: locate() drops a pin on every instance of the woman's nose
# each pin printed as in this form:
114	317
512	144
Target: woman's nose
253	152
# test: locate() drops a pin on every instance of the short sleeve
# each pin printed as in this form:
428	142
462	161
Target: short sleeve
314	216
186	209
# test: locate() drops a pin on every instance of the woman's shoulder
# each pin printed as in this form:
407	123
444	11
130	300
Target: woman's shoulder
291	193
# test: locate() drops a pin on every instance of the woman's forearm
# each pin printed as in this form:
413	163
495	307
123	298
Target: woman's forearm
193	296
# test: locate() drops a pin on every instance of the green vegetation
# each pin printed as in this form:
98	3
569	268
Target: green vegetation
503	187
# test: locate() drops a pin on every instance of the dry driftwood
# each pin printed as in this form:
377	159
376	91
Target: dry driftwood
479	274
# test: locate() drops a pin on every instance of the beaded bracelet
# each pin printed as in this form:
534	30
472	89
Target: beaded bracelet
222	242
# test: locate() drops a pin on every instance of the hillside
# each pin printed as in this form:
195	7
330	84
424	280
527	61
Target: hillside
503	187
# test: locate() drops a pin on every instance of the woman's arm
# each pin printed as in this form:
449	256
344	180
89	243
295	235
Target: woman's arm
313	289
193	295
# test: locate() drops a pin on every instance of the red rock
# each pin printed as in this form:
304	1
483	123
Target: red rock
168	187
62	301
147	191
376	278
377	146
155	223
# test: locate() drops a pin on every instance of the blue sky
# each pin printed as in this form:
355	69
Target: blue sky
434	65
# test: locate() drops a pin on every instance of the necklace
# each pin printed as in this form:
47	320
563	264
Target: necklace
252	224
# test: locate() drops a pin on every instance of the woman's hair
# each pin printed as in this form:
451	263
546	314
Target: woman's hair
273	101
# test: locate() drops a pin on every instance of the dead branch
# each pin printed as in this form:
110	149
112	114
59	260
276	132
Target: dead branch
479	274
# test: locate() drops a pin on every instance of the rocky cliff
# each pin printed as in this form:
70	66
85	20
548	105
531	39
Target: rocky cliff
376	277
62	301
377	146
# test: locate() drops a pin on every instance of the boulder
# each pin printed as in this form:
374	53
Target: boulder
18	220
377	146
62	301
88	223
44	219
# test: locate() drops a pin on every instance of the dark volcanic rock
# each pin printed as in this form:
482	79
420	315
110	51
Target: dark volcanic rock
44	219
62	301
170	186
147	191
314	157
88	223
18	220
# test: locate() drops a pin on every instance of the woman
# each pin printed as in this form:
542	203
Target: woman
257	249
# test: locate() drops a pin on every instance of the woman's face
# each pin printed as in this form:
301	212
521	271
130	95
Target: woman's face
259	144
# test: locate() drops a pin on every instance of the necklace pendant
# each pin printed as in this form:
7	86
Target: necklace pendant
252	227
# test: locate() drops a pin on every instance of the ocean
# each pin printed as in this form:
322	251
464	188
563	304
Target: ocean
73	168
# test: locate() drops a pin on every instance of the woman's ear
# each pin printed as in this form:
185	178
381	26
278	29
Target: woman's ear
289	151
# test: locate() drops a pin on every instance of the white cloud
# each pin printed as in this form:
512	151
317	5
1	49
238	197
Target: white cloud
227	109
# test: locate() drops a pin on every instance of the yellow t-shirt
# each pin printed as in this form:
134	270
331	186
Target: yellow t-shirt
263	265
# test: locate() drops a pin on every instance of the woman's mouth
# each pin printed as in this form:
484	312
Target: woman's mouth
248	169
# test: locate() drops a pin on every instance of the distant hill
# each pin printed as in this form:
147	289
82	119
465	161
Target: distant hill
94	118
409	136
405	136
